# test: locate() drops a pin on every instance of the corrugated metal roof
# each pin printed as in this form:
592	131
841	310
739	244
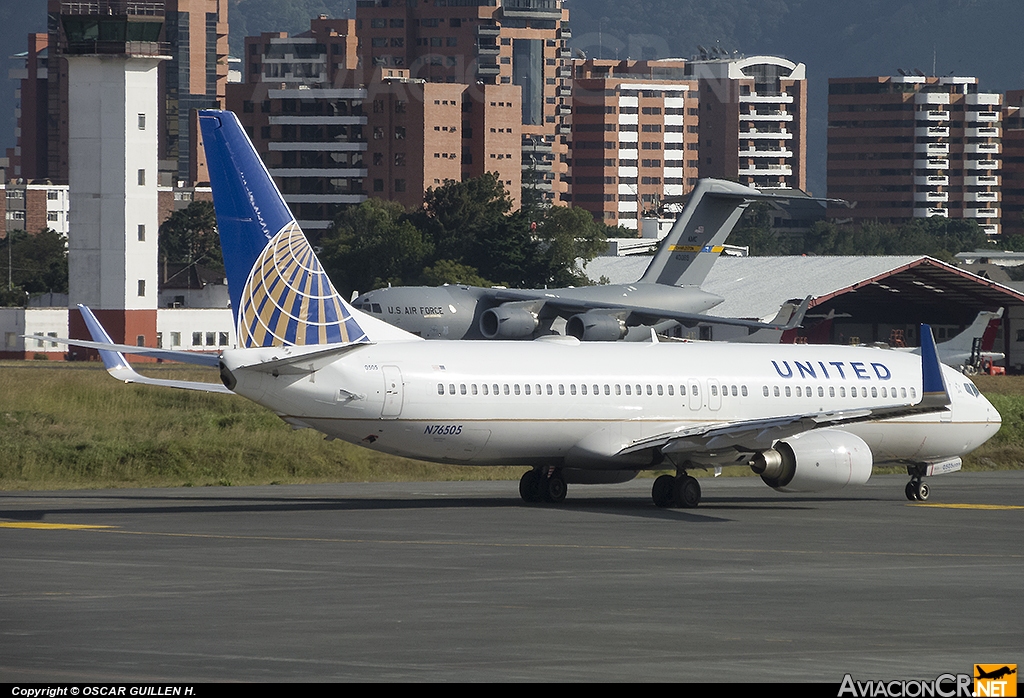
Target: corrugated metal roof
757	286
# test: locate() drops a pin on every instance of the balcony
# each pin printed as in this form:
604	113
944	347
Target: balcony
933	116
487	30
755	98
932	181
981	196
984	164
931	196
532	9
754	153
989	228
982	132
982	181
931	213
488	49
778	170
934	164
767	116
765	133
982	116
932	148
981	213
987	148
932	131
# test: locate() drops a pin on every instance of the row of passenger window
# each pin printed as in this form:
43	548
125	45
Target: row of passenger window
658	389
808	391
582	389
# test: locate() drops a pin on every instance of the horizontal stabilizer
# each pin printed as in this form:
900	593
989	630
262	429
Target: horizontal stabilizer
117	366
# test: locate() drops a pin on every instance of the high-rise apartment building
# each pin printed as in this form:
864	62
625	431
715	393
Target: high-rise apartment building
1012	172
753	116
333	134
302	103
28	159
195	35
915	146
488	42
643	132
634	137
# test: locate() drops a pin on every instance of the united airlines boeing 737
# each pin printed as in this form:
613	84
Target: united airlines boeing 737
806	418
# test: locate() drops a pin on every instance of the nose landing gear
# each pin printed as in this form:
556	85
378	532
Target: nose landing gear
917	490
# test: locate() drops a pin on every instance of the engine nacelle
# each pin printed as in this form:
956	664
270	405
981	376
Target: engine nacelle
825	459
596	327
507	322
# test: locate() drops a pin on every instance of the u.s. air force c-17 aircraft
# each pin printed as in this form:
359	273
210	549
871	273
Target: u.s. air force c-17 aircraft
669	292
806	418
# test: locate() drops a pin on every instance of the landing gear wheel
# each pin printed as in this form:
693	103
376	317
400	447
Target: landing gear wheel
911	492
662	491
686	492
921	490
528	486
553	488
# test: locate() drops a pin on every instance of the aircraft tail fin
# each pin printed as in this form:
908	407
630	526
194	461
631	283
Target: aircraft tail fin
280	294
985	325
689	251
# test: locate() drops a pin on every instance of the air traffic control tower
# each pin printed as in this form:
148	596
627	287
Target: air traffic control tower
113	50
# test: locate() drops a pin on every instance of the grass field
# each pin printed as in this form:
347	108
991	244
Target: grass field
68	426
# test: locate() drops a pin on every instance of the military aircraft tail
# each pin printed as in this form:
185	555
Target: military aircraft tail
688	252
280	294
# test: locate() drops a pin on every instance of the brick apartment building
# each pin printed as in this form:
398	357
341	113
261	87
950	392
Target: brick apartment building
643	132
915	146
333	134
520	43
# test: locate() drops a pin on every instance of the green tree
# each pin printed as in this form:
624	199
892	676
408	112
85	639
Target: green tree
38	264
564	236
445	271
454	214
190	237
754	230
372	245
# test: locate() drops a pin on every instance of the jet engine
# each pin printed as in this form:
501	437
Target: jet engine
826	459
508	322
595	327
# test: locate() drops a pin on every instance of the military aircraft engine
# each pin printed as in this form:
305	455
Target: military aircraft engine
825	459
595	327
505	322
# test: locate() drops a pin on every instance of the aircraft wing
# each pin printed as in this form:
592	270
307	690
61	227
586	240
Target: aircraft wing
750	436
639	315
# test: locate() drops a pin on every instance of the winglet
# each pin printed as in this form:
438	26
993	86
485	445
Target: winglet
112	360
933	386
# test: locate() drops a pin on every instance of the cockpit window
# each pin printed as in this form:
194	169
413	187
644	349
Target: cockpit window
970	387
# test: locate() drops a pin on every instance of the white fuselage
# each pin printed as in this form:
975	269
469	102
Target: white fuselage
560	402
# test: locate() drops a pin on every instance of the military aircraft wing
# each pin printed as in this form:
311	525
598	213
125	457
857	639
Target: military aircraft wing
631	313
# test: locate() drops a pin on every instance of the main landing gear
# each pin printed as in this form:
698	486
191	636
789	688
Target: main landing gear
680	491
542	486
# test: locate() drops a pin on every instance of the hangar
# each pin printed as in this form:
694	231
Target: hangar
873	298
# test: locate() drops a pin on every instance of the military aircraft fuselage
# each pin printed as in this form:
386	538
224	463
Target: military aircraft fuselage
457	312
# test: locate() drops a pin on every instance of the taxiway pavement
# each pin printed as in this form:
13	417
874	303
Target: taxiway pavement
462	581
